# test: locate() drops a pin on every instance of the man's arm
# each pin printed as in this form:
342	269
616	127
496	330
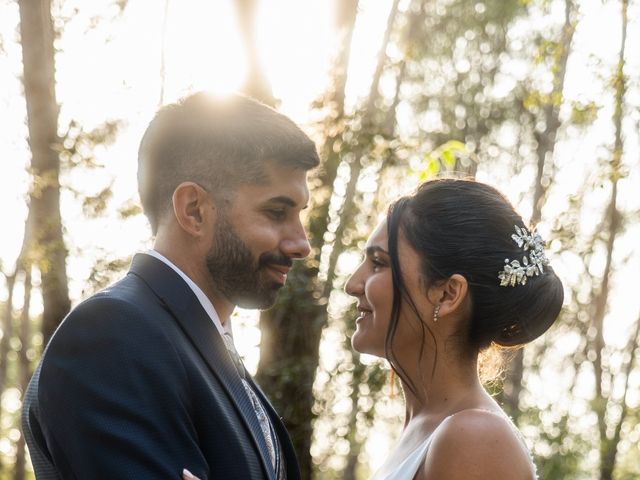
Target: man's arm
114	400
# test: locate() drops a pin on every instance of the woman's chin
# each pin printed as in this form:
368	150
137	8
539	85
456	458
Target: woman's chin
360	344
355	344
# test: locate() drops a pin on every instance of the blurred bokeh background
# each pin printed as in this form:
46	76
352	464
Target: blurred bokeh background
540	98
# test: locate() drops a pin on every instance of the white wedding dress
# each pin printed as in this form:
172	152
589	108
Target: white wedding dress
410	465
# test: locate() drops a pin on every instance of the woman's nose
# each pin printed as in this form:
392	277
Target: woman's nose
355	285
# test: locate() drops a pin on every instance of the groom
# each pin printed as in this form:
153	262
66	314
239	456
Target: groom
142	379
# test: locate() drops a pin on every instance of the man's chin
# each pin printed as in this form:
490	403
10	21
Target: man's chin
262	302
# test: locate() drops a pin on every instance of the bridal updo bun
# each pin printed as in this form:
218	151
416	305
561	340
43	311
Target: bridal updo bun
466	227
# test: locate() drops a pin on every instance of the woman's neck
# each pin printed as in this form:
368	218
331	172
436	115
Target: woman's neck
445	392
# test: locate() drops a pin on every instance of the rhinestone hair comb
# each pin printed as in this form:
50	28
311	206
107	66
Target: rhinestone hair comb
533	263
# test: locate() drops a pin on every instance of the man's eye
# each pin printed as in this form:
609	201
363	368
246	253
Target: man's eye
277	214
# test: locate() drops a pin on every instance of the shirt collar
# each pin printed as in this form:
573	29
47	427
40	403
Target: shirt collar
202	298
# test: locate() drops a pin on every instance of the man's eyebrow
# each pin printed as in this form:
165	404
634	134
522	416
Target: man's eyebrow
370	251
289	202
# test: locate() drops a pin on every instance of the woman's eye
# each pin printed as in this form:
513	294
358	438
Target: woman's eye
377	264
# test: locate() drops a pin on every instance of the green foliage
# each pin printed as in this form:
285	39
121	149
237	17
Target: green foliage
563	452
548	51
121	4
536	100
584	114
456	51
106	271
444	160
77	147
78	151
95	205
129	209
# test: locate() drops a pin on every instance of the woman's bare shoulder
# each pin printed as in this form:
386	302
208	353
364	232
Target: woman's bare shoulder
477	444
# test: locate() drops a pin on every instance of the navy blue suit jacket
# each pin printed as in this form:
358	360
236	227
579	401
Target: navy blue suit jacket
136	383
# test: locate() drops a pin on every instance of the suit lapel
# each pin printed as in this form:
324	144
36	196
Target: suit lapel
197	325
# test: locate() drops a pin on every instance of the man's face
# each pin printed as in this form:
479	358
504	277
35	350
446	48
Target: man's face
257	237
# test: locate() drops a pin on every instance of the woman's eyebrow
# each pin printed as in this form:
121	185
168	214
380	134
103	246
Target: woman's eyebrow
370	251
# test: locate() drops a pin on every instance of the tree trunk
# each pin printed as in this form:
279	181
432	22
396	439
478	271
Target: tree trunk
7	319
256	84
7	331
163	53
609	446
24	368
355	446
547	139
5	343
47	250
608	461
546	142
345	22
324	176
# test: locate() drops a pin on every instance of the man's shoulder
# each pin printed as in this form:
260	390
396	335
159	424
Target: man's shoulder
124	307
122	327
127	294
129	290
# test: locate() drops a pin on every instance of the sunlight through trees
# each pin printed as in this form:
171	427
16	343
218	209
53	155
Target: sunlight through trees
540	98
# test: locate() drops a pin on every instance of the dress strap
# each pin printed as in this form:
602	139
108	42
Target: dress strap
410	465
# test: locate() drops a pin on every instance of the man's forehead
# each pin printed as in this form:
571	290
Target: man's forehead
288	187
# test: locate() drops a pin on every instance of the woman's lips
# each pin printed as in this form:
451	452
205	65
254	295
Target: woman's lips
364	314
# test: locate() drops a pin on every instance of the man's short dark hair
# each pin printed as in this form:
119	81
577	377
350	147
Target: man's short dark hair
219	143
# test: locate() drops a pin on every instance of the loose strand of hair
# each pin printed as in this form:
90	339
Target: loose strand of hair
393	221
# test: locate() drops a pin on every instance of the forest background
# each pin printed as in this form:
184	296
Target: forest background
540	98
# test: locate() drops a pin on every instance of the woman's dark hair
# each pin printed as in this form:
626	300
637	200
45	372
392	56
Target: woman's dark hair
465	227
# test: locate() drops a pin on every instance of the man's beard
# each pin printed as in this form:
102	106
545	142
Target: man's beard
237	274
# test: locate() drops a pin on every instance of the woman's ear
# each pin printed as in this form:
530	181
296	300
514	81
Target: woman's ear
450	295
193	207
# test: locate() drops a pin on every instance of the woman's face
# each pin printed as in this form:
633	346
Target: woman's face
372	286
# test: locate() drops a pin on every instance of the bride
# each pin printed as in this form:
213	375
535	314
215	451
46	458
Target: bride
450	272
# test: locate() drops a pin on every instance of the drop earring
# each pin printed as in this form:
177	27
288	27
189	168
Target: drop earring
436	312
392	384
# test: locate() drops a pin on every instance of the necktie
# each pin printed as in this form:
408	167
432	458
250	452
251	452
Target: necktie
235	357
265	424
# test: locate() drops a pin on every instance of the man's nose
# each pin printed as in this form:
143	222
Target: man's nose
296	245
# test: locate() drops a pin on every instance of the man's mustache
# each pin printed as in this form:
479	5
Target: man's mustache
274	259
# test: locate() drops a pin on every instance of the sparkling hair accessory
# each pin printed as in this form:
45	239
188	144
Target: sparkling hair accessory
514	272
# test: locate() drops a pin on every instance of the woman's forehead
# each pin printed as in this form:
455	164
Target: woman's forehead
379	236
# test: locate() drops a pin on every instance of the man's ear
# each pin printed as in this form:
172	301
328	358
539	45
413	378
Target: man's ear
193	208
450	294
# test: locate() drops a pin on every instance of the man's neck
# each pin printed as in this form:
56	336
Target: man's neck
201	277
